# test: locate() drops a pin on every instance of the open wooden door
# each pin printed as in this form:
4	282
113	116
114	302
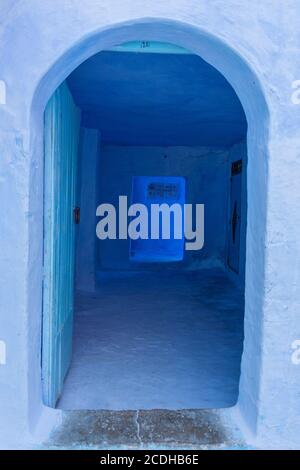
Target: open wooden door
62	125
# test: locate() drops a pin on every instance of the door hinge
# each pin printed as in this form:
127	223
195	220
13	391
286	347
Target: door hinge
76	213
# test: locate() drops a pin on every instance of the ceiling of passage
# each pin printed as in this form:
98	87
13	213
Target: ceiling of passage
157	99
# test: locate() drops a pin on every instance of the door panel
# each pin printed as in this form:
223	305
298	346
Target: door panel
235	216
62	123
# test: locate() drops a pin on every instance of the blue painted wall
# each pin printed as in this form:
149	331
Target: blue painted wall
160	114
206	173
158	190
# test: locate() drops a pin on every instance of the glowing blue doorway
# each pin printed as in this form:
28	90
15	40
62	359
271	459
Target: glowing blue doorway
150	190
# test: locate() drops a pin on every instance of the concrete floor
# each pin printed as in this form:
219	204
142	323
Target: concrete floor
156	341
147	429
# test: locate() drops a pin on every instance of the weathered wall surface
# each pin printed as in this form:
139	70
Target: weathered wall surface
256	46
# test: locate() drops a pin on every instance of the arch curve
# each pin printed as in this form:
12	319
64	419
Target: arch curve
236	69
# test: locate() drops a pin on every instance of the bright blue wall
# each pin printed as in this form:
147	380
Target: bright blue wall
157	99
158	190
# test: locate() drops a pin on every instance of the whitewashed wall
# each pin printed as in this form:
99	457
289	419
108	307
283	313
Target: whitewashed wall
256	46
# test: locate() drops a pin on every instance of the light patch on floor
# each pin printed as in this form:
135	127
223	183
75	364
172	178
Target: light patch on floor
157	341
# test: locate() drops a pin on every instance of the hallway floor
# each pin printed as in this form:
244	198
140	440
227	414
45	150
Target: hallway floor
156	341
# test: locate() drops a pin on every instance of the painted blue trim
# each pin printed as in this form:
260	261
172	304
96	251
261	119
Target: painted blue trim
150	47
62	123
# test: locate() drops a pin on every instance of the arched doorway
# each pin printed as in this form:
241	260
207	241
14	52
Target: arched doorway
138	350
248	89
